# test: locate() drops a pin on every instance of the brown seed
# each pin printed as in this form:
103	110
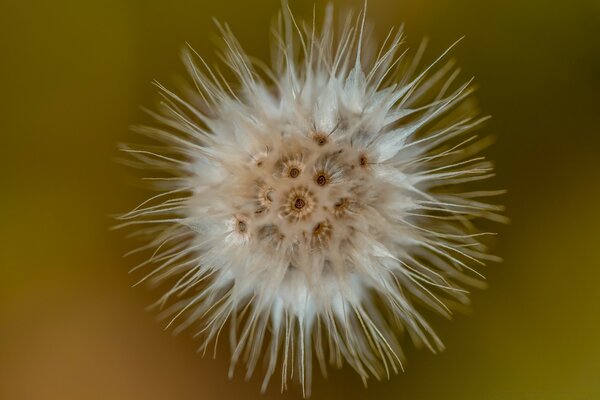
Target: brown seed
340	207
264	195
299	204
363	160
318	228
294	172
321	180
320	138
341	203
321	233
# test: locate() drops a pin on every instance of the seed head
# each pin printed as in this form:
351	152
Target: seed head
314	206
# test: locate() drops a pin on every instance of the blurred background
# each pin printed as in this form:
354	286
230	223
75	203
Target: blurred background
74	74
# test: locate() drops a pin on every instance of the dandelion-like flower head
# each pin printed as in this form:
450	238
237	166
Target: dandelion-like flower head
311	205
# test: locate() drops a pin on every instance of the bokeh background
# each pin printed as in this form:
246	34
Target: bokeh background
74	74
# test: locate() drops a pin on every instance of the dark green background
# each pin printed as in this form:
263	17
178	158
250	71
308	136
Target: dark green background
73	74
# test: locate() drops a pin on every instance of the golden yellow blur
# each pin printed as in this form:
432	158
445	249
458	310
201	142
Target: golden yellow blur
74	74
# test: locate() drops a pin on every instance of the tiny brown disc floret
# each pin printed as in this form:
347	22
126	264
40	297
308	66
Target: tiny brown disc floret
341	207
321	233
292	166
240	224
363	161
320	138
264	196
321	178
299	204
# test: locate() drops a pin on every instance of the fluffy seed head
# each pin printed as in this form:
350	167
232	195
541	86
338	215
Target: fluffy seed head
313	204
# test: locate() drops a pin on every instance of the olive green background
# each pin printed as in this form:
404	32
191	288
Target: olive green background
74	74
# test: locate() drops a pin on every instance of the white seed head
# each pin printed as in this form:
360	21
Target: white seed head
314	203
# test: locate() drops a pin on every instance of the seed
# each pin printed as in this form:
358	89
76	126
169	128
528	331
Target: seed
320	139
318	229
363	160
321	233
340	207
299	204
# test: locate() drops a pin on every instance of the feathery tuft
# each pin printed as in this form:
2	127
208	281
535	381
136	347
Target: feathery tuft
312	205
